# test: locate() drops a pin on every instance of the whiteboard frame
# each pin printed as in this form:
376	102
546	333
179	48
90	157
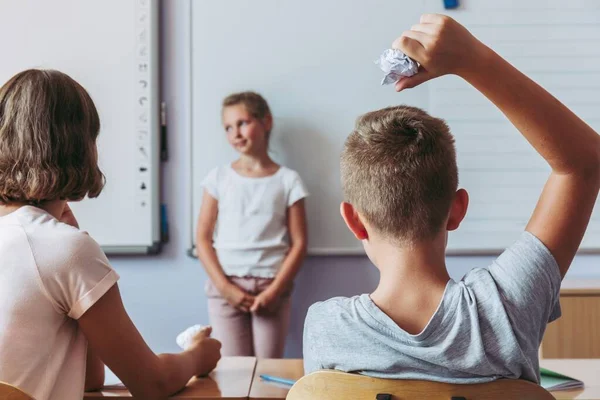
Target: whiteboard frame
119	65
344	252
154	126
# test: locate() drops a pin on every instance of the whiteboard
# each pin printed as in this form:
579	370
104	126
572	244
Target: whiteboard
313	62
556	44
111	48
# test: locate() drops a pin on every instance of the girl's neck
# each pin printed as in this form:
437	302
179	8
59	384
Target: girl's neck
6	209
54	208
254	163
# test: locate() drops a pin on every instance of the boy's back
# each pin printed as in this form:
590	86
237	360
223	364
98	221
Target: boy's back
488	325
400	181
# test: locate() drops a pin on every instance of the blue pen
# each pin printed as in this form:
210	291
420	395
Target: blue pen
270	378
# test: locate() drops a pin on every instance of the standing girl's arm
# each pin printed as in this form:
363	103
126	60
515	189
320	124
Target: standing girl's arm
296	221
208	256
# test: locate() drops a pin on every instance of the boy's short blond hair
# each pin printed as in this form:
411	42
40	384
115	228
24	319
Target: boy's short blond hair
399	171
48	131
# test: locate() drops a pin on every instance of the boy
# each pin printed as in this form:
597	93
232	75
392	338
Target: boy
399	177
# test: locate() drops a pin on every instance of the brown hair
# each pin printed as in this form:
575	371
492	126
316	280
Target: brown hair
399	171
255	104
48	131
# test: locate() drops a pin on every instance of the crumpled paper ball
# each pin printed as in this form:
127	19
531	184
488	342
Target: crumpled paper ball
184	339
396	64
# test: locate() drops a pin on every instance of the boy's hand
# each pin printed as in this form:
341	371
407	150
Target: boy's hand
441	45
68	217
208	351
237	297
267	299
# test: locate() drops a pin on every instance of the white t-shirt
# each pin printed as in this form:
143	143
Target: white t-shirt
251	233
50	275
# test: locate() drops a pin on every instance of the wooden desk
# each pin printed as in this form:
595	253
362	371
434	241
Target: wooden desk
577	333
287	368
231	380
587	371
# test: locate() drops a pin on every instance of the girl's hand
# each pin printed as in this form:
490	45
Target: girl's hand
208	351
441	45
267	299
237	297
68	217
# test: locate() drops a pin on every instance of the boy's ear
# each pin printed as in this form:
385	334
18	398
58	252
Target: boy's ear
353	221
458	209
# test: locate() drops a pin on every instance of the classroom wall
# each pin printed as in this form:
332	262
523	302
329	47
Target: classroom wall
164	294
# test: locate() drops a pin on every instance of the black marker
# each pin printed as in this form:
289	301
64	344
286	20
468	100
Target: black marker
164	150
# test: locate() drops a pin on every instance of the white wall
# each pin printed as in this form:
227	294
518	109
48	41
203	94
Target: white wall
164	294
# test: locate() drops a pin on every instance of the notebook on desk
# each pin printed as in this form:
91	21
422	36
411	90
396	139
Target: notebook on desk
551	380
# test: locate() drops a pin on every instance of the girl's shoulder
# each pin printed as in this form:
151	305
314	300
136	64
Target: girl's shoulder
288	174
219	170
293	183
218	173
56	240
57	249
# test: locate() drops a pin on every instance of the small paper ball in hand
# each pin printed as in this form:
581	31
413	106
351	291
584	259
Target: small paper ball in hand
396	64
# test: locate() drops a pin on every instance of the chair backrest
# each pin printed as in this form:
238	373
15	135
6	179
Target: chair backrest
9	392
336	385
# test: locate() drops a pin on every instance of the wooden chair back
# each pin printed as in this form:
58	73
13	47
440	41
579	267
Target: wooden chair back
9	392
336	385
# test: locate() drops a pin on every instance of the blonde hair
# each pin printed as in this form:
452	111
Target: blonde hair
48	131
255	104
399	170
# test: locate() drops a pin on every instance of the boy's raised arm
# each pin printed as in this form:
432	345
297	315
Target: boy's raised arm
571	148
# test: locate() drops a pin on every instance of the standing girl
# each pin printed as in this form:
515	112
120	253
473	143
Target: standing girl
251	235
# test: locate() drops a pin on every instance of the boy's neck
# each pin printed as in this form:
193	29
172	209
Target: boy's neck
412	281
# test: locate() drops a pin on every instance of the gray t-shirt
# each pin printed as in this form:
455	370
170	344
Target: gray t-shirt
487	326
